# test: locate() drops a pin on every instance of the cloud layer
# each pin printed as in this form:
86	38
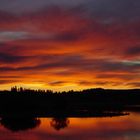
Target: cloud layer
70	44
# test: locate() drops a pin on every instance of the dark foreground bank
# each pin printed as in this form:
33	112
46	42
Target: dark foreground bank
91	102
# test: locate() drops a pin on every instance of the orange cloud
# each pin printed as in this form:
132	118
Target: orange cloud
59	48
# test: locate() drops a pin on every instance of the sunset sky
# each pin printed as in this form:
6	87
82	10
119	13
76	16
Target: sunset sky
70	44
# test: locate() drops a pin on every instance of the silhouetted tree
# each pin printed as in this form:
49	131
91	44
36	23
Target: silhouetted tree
14	89
59	123
20	124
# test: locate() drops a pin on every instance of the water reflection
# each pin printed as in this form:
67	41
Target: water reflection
59	123
16	124
20	124
123	127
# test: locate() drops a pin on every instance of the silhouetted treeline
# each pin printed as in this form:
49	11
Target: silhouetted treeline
49	103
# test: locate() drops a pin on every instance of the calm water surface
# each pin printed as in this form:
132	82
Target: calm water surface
105	128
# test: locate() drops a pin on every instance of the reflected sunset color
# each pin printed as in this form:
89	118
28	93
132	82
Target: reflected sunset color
105	128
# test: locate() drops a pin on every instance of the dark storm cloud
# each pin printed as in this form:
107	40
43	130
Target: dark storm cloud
7	58
98	8
115	8
135	50
32	5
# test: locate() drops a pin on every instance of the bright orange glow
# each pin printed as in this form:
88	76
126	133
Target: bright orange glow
62	49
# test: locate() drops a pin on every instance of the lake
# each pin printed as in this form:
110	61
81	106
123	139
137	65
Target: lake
125	127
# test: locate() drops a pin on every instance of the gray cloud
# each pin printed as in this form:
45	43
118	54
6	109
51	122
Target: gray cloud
97	8
8	58
9	36
75	63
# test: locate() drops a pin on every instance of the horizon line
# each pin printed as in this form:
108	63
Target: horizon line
18	88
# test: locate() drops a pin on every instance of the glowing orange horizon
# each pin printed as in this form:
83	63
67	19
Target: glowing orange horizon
63	49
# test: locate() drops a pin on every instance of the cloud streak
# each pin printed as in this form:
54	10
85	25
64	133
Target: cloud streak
53	42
